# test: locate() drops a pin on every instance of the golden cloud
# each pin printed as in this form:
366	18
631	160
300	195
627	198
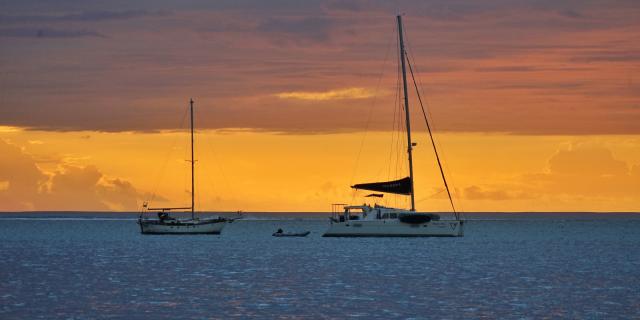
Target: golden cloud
72	187
338	94
581	177
9	129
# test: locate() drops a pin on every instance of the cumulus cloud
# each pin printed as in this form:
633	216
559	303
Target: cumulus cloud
587	160
25	187
587	169
118	194
20	176
579	176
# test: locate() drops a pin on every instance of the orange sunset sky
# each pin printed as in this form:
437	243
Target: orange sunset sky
535	105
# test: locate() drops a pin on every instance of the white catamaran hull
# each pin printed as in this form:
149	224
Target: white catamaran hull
190	227
395	228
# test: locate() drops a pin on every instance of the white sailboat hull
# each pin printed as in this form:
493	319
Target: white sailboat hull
154	226
395	228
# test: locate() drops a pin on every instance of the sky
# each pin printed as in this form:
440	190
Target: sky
535	105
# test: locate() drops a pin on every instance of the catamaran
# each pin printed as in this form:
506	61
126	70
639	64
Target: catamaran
380	221
165	224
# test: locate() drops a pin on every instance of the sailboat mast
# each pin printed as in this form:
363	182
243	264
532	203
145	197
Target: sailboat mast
192	163
406	110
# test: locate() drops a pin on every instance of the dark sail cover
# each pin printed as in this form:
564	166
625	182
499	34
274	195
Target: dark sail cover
402	186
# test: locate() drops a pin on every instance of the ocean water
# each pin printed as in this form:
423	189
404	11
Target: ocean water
508	266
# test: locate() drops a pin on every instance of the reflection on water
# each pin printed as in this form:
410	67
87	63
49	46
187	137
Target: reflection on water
524	267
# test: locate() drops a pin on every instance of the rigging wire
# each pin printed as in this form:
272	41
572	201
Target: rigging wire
431	196
442	152
435	150
366	129
186	175
400	143
393	128
401	137
420	90
217	162
395	125
166	159
395	136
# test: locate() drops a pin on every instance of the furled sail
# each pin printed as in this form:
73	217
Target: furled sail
402	186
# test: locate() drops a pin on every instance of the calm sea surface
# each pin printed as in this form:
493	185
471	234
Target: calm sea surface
508	266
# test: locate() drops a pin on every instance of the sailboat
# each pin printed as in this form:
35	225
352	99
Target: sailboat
380	221
165	224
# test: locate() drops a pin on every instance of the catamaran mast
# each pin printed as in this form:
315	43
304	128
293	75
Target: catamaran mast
192	163
406	110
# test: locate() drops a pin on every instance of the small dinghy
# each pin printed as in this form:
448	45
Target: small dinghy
280	233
